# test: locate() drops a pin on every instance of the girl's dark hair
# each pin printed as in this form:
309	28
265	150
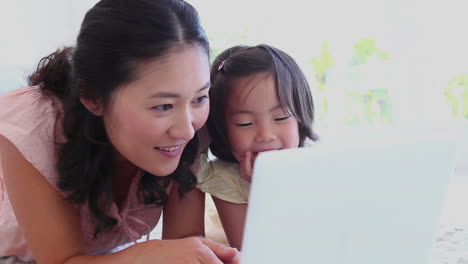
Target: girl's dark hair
242	61
115	36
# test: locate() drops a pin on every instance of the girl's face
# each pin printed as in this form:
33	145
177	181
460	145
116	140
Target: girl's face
151	120
255	119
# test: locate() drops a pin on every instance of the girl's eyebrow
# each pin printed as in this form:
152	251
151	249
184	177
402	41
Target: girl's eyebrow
243	111
176	95
276	107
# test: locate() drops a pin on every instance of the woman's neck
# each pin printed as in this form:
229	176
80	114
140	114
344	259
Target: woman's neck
125	172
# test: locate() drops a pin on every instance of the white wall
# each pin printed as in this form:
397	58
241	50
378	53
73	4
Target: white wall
33	29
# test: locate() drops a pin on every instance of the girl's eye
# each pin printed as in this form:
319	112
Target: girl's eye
201	100
282	118
163	108
244	124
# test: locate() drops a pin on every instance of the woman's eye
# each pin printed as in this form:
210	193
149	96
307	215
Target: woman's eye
163	108
282	118
243	124
201	100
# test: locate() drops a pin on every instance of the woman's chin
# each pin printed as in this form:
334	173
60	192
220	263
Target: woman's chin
166	169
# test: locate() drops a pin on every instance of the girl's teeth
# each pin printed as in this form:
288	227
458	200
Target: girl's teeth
169	149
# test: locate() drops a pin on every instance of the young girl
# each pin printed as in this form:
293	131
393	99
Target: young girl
260	101
101	143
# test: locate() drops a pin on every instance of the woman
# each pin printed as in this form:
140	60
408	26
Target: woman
109	126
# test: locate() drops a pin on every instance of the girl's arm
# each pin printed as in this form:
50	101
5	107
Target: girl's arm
184	216
232	217
52	227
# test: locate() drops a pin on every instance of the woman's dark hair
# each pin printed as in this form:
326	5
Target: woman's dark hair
115	37
242	61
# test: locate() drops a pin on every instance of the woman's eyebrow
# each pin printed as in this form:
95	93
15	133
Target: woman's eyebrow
206	86
176	95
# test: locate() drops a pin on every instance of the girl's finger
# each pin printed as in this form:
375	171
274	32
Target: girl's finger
247	166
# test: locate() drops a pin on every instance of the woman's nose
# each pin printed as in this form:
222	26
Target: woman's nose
182	127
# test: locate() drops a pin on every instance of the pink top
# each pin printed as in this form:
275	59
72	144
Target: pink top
29	120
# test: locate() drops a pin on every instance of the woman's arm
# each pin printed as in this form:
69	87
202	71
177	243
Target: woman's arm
49	222
232	217
184	216
52	227
193	250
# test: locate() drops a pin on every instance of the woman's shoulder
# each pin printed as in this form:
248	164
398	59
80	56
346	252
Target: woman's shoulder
29	120
21	93
30	97
26	108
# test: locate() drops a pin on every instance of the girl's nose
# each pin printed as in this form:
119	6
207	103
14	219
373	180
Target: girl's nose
265	134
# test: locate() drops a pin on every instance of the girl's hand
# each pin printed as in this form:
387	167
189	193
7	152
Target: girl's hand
193	250
246	165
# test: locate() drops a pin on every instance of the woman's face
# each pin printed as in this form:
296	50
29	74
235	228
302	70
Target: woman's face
151	120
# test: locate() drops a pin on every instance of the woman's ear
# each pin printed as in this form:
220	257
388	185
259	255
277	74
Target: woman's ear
93	105
91	102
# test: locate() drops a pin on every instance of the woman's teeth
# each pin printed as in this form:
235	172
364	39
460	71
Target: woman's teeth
169	149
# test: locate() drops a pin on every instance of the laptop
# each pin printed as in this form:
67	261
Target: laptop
355	203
